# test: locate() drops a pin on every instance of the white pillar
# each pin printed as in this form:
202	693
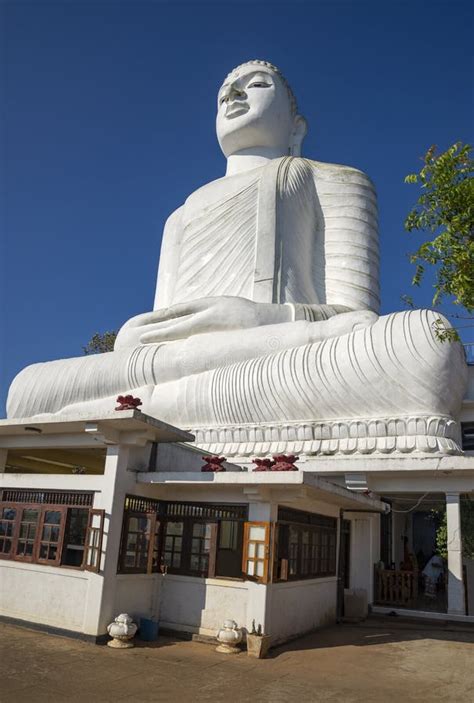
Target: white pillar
259	594
100	602
456	601
365	551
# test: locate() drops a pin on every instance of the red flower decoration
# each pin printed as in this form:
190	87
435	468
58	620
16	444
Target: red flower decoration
128	402
213	463
285	462
263	464
280	462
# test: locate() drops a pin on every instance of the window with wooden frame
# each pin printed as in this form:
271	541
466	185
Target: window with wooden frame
93	540
26	535
35	530
7	526
51	536
256	551
305	545
139	530
194	539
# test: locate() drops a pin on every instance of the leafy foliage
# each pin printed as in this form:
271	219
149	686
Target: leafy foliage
100	343
445	208
467	531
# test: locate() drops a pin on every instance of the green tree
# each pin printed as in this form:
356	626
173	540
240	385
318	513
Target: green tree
100	343
445	209
467	530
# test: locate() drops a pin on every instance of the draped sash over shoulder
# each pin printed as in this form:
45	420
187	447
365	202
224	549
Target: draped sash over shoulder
217	252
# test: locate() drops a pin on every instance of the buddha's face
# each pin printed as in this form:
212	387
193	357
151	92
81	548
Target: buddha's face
254	110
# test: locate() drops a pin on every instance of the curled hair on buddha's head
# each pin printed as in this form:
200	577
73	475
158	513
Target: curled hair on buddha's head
274	69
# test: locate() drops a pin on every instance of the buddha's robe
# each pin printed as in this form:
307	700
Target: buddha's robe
297	232
293	231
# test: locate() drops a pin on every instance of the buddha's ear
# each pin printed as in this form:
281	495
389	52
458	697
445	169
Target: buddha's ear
300	127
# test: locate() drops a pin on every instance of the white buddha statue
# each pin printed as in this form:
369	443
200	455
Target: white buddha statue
265	333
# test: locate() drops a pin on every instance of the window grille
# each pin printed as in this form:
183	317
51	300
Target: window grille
46	497
303	518
206	511
143	505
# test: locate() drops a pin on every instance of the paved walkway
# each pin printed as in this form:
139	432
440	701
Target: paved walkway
376	662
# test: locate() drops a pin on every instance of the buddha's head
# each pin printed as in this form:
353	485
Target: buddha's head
256	109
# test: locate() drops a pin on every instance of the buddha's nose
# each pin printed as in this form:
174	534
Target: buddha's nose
232	92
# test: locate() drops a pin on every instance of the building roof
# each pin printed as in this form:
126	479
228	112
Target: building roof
111	427
291	481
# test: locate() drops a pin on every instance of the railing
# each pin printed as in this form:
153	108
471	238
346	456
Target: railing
469	349
396	587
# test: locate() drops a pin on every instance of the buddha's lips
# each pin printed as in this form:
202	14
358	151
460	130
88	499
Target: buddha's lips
236	110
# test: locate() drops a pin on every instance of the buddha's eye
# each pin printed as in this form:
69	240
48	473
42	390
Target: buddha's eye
259	84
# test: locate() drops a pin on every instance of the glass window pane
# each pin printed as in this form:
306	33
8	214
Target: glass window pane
5	546
250	568
259	568
144	524
30	515
74	537
77	526
131	543
199	529
257	532
46	533
52	517
9	513
251	549
261	551
174	528
228	534
96	521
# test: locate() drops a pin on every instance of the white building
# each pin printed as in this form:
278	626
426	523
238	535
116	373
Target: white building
98	516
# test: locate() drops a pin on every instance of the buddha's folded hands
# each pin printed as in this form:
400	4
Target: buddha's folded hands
212	314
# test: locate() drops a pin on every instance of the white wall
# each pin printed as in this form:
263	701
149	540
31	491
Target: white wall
301	606
138	595
44	594
201	605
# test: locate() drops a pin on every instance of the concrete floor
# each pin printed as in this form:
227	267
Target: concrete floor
376	662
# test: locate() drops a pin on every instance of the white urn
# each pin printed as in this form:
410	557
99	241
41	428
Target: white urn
122	630
229	637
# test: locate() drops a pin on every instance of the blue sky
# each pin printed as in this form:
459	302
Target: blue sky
109	125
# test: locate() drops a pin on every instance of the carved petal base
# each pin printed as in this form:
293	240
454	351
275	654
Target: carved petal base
395	435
